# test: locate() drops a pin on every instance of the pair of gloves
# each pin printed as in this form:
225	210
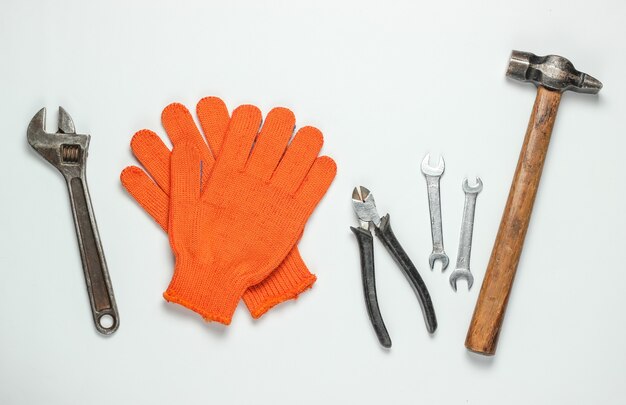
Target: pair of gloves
234	200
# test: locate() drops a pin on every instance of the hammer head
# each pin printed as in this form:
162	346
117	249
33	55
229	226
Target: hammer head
553	72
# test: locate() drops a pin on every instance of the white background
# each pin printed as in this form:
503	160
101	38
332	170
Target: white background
386	82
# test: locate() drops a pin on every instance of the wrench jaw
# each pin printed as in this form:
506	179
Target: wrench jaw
434	171
65	150
438	256
461	274
473	189
39	139
66	124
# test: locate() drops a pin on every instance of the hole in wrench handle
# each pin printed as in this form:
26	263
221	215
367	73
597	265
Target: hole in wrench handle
95	270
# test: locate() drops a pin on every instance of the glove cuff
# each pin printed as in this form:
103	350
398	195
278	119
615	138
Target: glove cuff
211	293
289	279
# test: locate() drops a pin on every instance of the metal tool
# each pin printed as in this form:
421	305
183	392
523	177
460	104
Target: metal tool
553	75
365	209
433	174
462	269
67	151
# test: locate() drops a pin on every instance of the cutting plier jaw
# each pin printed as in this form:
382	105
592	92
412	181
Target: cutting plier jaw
365	207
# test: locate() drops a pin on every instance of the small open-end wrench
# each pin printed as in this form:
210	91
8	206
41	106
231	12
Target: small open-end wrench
67	151
462	269
433	174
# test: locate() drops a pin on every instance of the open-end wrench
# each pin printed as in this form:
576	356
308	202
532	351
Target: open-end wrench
67	151
462	269
433	174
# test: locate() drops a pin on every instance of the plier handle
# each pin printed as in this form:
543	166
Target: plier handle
365	209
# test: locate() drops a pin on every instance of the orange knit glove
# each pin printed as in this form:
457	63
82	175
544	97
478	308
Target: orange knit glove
230	232
290	278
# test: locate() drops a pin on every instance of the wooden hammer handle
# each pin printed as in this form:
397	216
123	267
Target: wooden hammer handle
484	329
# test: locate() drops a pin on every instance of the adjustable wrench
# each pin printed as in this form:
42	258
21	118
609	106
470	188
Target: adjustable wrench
67	151
433	174
462	269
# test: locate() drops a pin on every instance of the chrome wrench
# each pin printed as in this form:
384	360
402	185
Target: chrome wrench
67	151
462	269
433	175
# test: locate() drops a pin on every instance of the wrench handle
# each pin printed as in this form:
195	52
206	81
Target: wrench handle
94	264
434	207
482	336
467	231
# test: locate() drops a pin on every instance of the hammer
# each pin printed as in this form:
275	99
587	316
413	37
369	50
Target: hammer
552	75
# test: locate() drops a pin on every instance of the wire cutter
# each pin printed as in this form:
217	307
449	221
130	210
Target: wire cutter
365	209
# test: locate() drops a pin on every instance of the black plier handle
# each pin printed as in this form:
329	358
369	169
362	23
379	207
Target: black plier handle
389	240
366	250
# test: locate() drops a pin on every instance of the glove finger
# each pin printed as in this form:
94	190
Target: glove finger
317	181
213	116
300	155
240	136
271	142
186	175
154	156
181	127
151	198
